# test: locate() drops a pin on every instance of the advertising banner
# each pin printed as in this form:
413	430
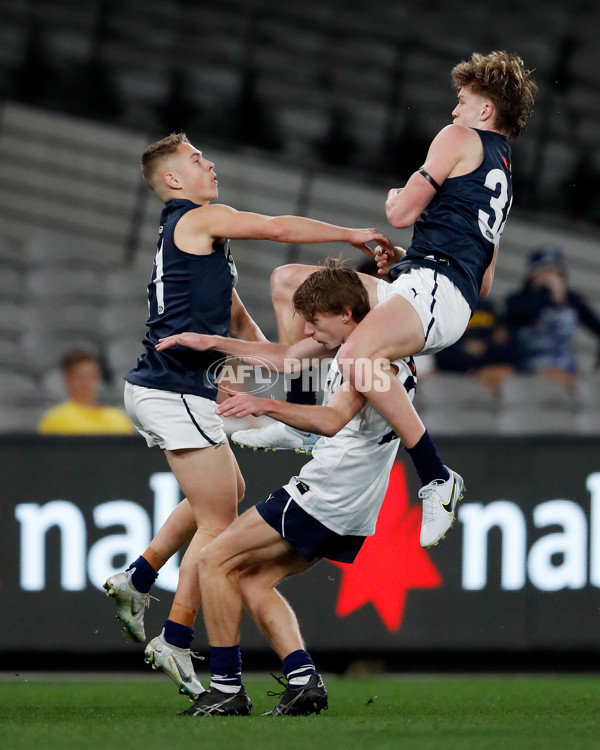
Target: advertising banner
520	569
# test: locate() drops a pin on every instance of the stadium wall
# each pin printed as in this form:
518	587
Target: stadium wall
519	572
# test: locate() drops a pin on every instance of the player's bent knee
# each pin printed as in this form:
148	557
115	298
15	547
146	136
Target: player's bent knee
286	279
213	561
252	588
208	562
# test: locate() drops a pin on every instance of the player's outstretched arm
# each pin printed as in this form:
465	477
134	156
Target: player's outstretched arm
248	351
280	357
344	404
220	221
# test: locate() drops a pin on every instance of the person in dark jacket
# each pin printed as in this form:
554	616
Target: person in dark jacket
544	316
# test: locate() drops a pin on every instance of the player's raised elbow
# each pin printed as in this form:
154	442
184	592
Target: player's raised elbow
400	217
332	425
328	430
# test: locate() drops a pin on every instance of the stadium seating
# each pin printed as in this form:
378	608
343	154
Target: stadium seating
535	405
79	227
455	405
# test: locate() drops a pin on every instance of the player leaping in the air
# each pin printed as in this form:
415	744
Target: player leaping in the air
458	202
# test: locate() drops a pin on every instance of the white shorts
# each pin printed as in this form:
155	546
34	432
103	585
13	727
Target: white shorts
443	310
173	421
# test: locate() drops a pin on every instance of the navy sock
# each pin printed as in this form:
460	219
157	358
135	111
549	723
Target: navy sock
177	634
298	667
427	462
226	668
143	576
300	388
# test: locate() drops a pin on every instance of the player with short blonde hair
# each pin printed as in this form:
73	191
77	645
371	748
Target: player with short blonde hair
170	395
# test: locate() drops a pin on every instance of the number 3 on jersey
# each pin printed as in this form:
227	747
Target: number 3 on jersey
492	229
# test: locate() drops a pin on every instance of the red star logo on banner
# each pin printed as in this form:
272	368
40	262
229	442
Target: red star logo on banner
390	562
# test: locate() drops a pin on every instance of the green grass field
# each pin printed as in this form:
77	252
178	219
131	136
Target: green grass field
400	713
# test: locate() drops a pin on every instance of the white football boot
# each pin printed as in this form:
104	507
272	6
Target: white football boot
130	603
276	437
439	503
176	663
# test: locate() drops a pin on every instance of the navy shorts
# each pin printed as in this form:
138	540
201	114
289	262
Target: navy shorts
307	535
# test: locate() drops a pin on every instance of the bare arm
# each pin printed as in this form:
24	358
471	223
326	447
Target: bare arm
455	150
280	357
322	420
242	325
219	221
488	277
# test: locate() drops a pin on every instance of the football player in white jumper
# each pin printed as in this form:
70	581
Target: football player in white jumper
326	511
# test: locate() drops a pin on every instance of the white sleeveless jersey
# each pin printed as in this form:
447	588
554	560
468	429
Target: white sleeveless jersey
344	484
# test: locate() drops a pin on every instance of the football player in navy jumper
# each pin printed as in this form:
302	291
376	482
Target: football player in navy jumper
458	202
170	395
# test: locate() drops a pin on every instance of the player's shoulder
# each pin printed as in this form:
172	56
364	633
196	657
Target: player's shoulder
455	145
203	221
457	137
204	215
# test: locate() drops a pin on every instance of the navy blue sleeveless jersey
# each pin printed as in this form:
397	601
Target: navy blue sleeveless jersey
186	293
457	232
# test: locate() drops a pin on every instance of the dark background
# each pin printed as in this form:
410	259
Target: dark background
442	627
352	90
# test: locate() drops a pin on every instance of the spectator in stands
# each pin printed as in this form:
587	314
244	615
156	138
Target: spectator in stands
81	413
544	316
485	351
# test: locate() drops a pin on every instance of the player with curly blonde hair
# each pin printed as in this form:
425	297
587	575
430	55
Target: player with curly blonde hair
458	202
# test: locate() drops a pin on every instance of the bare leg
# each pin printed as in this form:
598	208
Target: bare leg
376	339
284	282
213	504
390	331
270	610
249	543
179	528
